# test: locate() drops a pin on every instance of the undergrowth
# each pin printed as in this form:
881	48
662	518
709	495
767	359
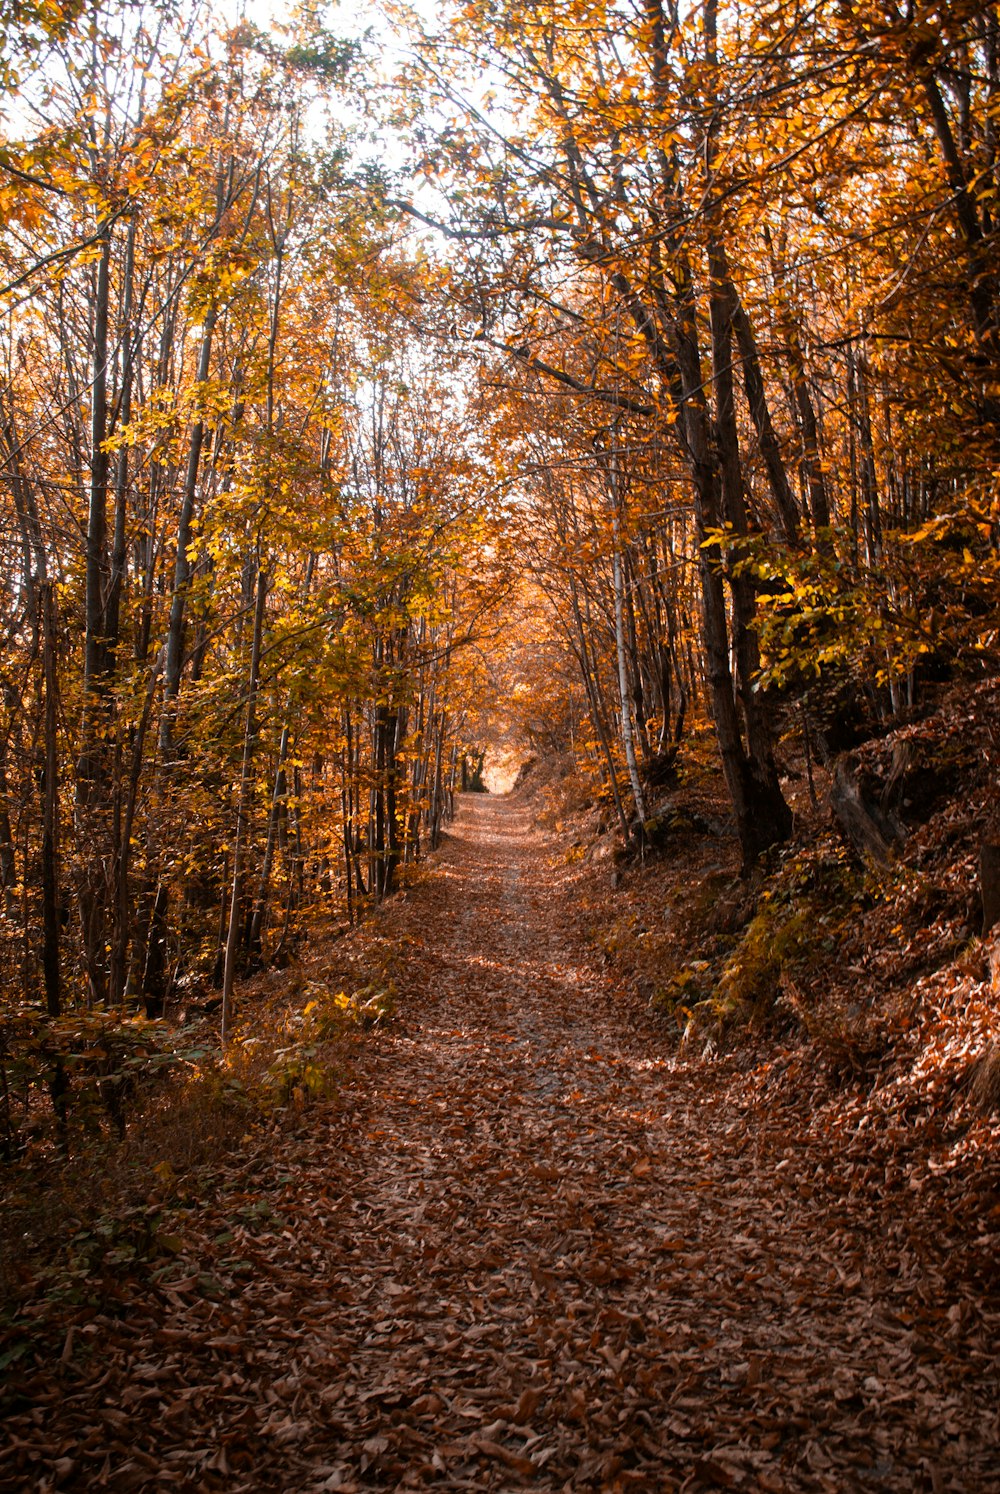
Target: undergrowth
871	972
153	1113
761	974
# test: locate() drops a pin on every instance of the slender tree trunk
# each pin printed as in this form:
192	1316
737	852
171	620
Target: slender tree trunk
124	919
95	625
8	857
623	691
125	791
760	414
871	514
255	940
582	653
437	787
92	762
51	976
174	657
812	462
243	809
347	815
50	811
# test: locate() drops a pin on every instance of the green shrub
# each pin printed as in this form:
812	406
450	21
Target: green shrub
777	939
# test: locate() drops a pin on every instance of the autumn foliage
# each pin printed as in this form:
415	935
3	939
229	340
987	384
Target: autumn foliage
653	384
598	398
249	524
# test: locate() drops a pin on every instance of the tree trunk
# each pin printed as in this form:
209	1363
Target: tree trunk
767	818
50	811
623	691
256	936
760	414
91	771
243	809
174	656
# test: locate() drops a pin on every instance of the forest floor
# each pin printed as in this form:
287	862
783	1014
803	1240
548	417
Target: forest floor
524	1246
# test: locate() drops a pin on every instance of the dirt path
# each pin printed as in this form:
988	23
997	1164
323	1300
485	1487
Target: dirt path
526	1251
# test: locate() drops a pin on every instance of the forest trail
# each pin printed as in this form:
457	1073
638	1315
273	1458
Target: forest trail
526	1249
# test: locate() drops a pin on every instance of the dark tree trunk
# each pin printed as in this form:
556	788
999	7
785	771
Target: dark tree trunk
243	807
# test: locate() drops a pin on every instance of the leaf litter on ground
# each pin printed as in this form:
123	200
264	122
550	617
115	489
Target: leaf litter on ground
524	1245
